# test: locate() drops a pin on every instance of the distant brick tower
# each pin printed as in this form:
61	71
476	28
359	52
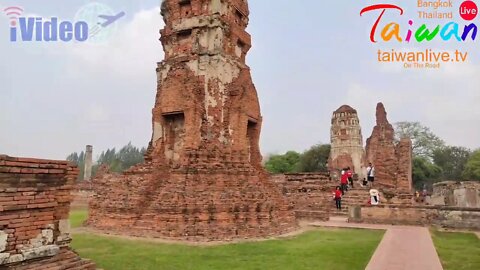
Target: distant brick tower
346	140
202	178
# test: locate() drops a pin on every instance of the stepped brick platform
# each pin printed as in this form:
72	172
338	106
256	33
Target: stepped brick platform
34	206
202	179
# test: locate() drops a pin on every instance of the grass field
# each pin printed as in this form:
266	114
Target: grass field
457	251
77	217
319	249
339	249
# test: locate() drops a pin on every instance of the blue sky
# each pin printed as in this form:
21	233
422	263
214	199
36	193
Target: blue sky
308	58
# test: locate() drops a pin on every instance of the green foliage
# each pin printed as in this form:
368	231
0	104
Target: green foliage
339	249
120	161
452	161
425	172
315	159
283	163
457	251
423	139
472	168
79	160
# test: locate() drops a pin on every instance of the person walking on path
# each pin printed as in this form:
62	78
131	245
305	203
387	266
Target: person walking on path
350	176
370	174
337	195
344	182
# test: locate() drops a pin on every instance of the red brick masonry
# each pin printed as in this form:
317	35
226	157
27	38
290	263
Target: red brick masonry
202	179
34	207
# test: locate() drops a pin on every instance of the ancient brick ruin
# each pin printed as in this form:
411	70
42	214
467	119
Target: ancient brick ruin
202	178
34	206
347	141
392	162
459	194
310	194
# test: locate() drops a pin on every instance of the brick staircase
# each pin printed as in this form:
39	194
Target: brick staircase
354	196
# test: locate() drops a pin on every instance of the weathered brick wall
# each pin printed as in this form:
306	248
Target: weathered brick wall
200	205
310	194
34	207
447	217
460	194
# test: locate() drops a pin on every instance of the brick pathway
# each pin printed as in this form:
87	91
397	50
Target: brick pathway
405	248
402	247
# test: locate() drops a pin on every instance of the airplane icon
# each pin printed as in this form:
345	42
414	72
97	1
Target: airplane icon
110	19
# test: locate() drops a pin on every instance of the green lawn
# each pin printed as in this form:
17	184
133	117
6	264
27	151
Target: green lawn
457	251
319	249
77	217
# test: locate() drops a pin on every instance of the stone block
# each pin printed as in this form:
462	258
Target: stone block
15	259
4	258
39	252
3	241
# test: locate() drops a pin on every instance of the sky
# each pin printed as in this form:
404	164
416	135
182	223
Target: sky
308	58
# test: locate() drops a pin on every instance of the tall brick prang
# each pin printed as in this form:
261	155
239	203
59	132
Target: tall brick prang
34	207
347	141
392	162
202	178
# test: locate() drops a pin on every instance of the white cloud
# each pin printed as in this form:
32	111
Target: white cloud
130	52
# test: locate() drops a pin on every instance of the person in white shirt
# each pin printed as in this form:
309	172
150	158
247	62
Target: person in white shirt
370	174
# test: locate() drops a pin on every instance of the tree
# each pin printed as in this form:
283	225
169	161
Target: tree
315	159
120	161
283	163
425	172
452	160
79	161
423	139
472	168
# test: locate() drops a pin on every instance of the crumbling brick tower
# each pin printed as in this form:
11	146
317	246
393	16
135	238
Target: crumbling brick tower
347	141
202	179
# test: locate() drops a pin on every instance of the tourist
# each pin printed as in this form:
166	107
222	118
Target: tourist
370	174
338	198
374	197
350	176
344	181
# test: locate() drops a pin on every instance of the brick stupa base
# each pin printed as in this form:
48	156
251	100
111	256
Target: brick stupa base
203	204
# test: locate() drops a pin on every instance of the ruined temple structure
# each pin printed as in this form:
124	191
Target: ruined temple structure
202	179
346	140
392	161
34	206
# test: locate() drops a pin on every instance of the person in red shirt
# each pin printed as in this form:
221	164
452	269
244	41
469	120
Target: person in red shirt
338	198
350	176
344	181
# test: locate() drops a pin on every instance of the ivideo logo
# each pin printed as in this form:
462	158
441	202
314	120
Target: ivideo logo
94	20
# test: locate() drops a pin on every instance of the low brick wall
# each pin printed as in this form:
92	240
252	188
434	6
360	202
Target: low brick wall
310	194
442	216
34	207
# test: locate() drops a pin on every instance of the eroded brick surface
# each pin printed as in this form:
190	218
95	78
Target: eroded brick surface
347	141
392	162
310	194
202	178
34	206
